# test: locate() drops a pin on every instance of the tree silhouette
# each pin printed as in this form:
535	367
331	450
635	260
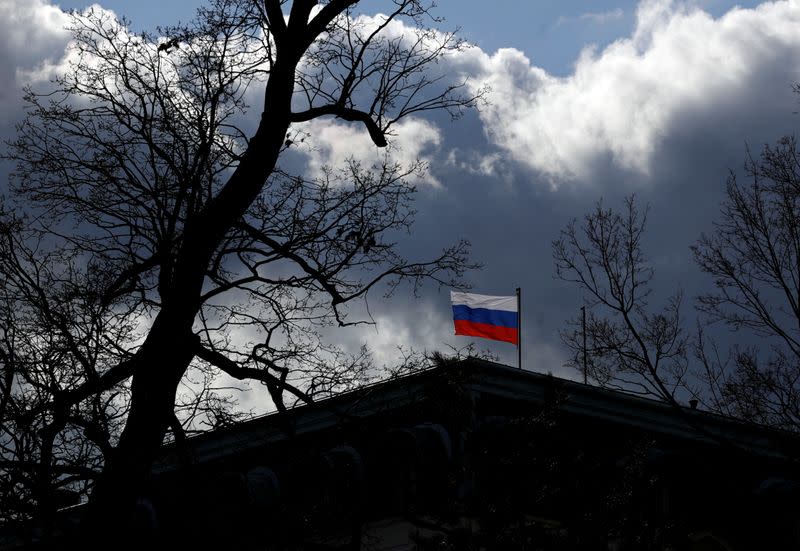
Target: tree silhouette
155	239
629	345
753	256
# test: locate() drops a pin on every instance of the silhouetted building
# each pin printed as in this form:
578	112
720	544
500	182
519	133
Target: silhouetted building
477	455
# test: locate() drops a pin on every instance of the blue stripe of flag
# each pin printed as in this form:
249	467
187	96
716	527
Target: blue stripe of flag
483	315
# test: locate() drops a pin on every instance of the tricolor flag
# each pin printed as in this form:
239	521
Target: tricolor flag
486	316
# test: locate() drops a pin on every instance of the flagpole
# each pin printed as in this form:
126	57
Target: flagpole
519	327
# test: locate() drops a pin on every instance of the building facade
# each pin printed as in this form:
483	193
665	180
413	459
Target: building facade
477	455
473	455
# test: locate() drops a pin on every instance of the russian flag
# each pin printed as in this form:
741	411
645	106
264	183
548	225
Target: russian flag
486	316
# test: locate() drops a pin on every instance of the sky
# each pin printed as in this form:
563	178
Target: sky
589	101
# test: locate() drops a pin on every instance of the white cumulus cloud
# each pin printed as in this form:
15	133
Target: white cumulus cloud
330	142
621	103
32	35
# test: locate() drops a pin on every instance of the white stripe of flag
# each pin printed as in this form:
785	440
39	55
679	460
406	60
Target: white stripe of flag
489	302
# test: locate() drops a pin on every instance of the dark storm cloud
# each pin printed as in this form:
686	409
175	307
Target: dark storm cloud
664	114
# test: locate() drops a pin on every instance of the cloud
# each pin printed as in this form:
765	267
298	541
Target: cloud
597	18
430	330
427	326
602	17
621	104
327	143
671	105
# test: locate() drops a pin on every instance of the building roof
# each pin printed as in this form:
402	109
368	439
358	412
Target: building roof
487	380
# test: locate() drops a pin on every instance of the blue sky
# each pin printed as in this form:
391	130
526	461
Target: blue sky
663	106
550	32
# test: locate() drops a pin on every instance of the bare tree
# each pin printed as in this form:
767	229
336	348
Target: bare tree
629	346
753	256
176	236
49	453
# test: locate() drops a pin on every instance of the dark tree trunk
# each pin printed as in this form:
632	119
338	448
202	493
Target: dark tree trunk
161	363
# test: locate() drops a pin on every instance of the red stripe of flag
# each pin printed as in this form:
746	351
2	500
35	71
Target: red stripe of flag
496	332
